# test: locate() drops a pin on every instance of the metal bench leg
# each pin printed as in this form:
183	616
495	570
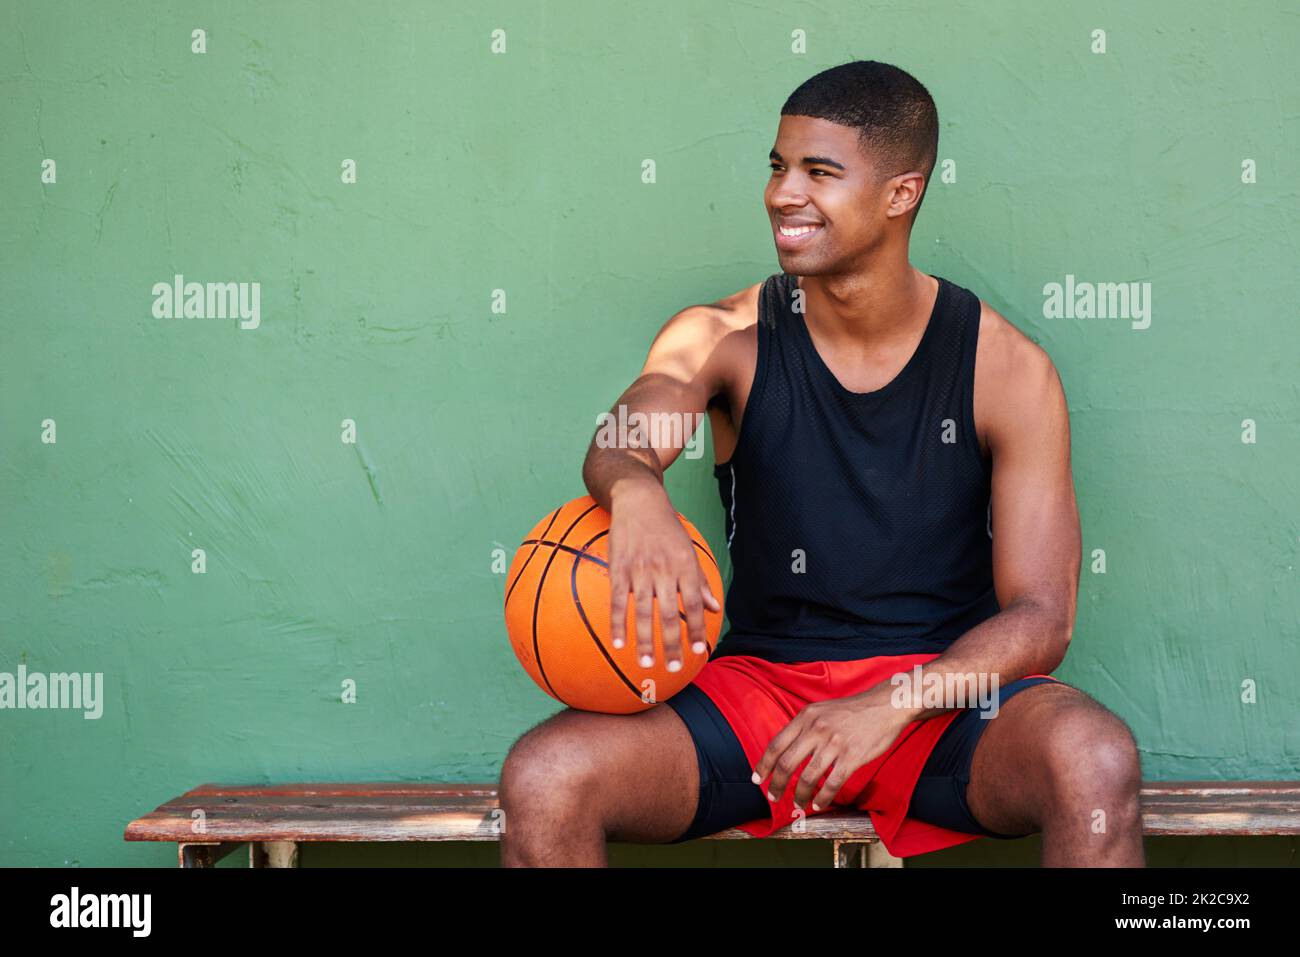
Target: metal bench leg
877	856
864	854
204	853
273	854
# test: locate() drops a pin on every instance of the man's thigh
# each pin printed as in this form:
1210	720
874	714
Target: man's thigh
637	772
726	793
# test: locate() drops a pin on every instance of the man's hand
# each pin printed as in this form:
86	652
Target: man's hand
652	556
841	734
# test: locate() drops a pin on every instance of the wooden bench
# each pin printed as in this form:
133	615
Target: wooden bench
213	820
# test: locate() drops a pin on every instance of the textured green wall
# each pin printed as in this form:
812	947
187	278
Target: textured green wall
521	172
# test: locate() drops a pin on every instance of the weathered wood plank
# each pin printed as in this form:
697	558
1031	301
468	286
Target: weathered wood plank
421	811
335	789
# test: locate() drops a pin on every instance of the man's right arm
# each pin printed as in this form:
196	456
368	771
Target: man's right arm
651	554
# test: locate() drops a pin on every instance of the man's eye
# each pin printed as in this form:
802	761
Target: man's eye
776	166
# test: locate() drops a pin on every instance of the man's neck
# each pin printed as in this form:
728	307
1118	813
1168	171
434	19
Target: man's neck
886	305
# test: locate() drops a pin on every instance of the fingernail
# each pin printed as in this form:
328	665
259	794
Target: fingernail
618	643
674	665
646	661
699	647
815	807
755	778
770	796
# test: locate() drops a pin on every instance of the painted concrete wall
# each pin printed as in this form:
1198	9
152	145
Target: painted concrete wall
372	561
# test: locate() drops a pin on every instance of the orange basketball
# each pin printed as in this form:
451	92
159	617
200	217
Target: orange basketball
557	616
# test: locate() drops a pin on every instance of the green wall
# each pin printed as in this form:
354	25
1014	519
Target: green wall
521	172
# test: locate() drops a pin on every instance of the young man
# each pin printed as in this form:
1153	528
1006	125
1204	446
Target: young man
894	462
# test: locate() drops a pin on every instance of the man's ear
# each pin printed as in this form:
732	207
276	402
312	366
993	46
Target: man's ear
905	191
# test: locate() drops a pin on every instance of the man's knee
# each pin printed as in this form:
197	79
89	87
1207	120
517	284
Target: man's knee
548	773
1089	754
628	777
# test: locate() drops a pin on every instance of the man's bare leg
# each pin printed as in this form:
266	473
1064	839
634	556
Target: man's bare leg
1056	761
580	779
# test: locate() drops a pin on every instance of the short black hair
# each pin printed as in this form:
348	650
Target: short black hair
894	114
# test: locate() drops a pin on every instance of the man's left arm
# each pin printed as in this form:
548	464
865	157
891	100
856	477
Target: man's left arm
1036	538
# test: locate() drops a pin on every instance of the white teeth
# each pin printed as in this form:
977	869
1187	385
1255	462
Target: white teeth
797	231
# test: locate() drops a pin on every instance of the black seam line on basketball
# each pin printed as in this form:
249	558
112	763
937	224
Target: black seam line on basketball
708	553
592	508
568	548
537	651
554	515
577	603
603	564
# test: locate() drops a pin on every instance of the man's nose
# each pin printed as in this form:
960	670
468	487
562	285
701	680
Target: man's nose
788	197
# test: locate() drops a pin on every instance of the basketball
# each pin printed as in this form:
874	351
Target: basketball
557	615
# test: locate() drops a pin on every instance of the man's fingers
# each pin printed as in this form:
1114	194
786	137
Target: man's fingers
767	764
643	596
707	600
618	588
831	787
694	607
706	593
669	621
806	787
787	765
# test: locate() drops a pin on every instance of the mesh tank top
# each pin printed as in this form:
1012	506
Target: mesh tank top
858	524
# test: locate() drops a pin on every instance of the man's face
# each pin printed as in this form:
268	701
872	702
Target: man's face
822	178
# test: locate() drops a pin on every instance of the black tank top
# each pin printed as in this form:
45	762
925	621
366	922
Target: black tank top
858	523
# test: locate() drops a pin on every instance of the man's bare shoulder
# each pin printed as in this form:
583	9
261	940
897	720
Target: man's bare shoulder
1007	353
710	343
737	312
1014	375
742	303
720	333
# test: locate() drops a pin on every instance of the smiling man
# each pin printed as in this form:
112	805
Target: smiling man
894	464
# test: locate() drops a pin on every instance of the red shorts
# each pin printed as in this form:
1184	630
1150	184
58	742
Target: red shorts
758	698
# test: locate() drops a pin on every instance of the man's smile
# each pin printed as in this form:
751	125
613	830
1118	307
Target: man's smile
793	233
